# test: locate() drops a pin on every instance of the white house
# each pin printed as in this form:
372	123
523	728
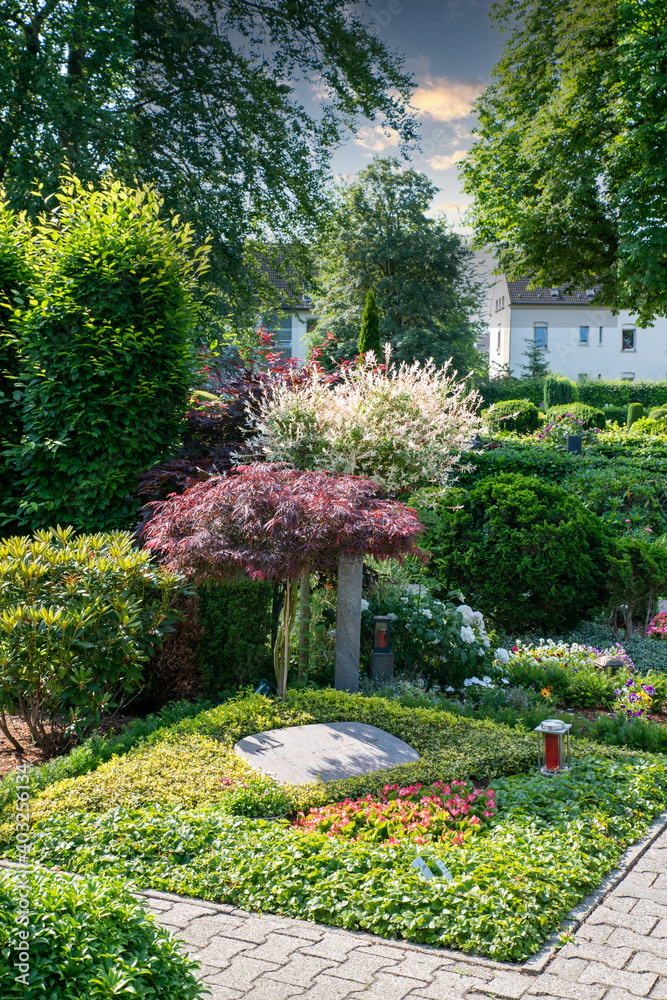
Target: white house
581	341
291	330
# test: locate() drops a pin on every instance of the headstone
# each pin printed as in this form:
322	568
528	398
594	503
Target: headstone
610	664
327	751
348	623
574	444
382	667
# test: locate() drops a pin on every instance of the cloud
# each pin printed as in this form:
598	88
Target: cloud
376	139
445	100
445	162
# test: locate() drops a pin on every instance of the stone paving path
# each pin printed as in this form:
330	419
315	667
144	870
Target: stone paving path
620	952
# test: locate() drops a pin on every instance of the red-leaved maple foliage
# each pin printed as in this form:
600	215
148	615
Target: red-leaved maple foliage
272	522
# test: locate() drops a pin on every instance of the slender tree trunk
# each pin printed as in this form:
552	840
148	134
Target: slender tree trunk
281	648
304	624
5	729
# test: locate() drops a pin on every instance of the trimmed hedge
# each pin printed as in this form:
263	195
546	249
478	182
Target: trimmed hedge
513	415
557	392
619	414
502	389
234	649
635	412
590	416
621	393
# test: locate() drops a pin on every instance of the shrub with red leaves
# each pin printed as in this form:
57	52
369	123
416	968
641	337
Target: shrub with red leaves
271	522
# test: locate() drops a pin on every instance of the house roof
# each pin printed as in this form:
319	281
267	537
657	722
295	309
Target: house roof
520	294
283	284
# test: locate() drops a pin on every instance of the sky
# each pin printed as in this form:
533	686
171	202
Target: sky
450	48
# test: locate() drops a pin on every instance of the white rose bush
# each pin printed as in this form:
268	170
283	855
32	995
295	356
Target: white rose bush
445	641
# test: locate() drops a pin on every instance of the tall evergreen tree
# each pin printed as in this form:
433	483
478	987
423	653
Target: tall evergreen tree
535	363
369	338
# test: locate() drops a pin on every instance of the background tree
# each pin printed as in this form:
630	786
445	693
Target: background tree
567	175
194	99
535	363
420	272
369	338
271	523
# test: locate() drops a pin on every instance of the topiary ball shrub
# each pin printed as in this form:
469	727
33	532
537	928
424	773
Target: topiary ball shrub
513	415
635	412
658	413
590	416
557	392
526	553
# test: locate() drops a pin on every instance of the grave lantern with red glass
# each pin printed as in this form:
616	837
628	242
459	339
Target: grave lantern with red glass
553	732
382	642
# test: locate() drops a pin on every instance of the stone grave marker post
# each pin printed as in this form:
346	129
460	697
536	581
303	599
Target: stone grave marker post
348	623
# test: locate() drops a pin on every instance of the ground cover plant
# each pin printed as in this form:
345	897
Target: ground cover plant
88	938
548	843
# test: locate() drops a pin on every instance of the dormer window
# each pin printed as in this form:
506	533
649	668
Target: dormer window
554	293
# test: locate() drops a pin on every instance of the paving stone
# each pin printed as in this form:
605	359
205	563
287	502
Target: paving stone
659	991
277	948
476	971
223	993
198	932
622	904
644	961
181	914
334	946
660	929
595	933
509	984
327	988
386	951
647	879
638	983
620	994
567	968
241	973
418	967
359	968
622	937
640	925
553	986
386	986
255	929
269	989
219	952
301	970
616	958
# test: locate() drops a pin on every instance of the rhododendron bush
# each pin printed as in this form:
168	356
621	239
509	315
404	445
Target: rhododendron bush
399	425
445	813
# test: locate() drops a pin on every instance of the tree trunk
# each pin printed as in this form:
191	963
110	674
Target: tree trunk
304	624
281	648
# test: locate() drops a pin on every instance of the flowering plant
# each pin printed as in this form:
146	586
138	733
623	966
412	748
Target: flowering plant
634	700
658	627
446	642
556	433
449	813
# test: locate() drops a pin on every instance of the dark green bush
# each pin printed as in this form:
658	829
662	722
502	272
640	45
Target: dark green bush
524	552
635	412
513	415
87	938
234	649
557	392
589	416
498	390
104	357
617	413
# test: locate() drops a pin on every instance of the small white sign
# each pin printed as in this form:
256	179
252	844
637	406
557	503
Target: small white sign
426	872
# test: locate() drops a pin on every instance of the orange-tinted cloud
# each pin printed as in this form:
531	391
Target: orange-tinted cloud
445	100
445	162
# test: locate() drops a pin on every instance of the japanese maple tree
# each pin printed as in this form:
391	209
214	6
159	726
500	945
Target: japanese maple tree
272	522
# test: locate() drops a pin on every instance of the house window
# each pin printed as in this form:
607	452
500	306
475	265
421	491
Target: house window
600	334
281	330
540	335
628	339
498	344
583	334
628	376
582	377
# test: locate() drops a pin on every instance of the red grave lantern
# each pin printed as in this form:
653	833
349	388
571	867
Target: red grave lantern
552	732
382	637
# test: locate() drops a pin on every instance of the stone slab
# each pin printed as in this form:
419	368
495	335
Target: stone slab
325	751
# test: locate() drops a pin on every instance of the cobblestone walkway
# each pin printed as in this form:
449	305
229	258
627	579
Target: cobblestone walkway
620	952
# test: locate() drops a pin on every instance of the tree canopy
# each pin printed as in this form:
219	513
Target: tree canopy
568	171
203	100
420	271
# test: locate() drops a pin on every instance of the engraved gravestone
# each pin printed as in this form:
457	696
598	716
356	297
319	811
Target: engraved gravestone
326	751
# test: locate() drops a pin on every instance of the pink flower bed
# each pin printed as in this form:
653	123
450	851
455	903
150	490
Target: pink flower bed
658	627
448	813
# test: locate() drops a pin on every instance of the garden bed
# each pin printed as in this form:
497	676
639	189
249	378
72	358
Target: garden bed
164	814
